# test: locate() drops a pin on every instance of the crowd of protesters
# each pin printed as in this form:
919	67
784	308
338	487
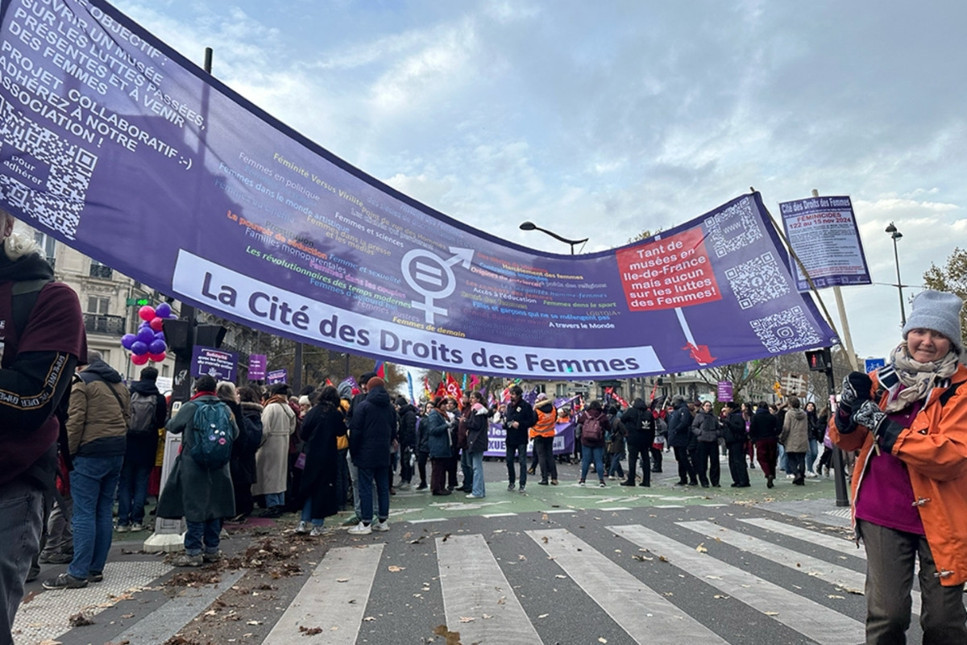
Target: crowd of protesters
329	449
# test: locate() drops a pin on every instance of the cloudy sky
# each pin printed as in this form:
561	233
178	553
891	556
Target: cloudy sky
603	119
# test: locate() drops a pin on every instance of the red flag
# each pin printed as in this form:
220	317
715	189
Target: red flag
453	388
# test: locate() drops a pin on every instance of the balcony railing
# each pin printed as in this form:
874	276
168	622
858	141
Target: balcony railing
104	324
101	271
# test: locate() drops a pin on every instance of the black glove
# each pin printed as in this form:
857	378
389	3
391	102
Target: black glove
856	390
884	429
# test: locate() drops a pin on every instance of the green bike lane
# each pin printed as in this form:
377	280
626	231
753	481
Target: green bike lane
420	506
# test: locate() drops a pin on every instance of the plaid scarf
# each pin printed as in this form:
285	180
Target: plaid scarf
917	379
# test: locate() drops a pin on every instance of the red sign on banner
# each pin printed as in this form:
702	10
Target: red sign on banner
671	272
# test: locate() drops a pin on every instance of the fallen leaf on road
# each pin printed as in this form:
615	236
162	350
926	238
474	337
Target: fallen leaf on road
701	548
771	613
602	640
563	577
543	615
369	619
395	569
833	595
342	579
254	622
467	619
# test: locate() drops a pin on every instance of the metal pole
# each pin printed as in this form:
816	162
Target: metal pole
899	285
839	476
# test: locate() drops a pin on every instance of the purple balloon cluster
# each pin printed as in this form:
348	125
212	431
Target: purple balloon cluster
148	344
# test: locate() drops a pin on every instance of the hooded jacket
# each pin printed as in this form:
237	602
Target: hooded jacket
100	410
407	427
795	431
372	429
679	422
639	423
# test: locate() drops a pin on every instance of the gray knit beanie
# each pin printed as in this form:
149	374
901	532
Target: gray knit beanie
939	311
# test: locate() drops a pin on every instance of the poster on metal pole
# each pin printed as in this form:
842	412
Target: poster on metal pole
822	231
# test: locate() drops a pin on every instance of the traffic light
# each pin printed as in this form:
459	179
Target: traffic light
819	360
210	335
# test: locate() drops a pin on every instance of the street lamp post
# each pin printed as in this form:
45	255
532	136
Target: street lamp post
530	226
896	235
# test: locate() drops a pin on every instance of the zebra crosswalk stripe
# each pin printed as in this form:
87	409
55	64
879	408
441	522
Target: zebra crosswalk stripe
334	598
633	605
846	547
832	573
805	616
478	600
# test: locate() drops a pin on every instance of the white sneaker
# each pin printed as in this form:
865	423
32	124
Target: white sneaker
318	531
361	529
303	528
380	526
811	474
472	496
790	476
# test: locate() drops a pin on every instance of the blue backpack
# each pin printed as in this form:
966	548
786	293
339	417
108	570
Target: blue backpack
212	434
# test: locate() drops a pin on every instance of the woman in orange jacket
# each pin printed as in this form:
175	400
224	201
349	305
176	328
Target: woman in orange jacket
542	433
910	481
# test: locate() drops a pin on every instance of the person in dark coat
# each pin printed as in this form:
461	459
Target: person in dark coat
679	436
372	432
518	419
437	428
140	453
248	418
705	429
640	425
477	440
764	433
733	431
317	493
202	496
407	421
422	446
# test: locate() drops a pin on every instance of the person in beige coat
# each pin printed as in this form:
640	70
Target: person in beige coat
795	439
272	458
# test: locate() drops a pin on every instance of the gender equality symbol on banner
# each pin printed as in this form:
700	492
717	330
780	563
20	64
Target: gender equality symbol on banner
432	277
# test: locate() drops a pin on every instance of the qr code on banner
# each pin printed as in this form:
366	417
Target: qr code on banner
759	280
50	185
734	228
785	331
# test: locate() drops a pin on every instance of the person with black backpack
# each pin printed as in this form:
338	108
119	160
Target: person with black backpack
199	487
148	413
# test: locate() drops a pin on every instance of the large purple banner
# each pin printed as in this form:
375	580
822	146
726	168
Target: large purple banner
117	145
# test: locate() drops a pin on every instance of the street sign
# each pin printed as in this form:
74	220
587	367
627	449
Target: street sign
874	363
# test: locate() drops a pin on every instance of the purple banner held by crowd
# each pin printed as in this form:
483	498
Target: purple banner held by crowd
117	145
497	440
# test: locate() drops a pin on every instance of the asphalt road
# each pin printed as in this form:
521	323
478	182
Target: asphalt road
563	564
